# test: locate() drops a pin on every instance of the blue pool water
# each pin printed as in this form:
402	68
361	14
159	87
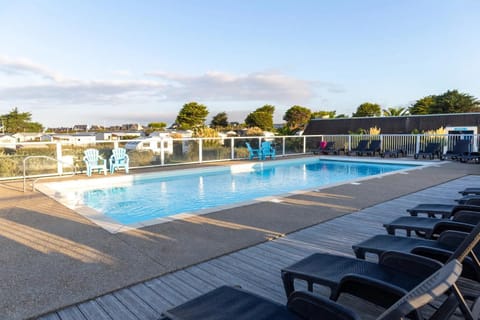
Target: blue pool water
161	196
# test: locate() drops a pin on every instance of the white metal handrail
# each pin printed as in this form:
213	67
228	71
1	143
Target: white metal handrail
44	157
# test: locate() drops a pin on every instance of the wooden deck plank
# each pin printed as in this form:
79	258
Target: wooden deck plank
187	290
204	275
172	296
51	316
93	311
115	308
196	282
72	313
136	305
154	300
234	277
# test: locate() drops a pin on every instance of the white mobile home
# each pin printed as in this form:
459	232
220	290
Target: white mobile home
154	144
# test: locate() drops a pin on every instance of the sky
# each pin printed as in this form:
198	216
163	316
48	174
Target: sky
112	62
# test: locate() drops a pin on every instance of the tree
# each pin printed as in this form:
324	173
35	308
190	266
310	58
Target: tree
395	112
220	120
262	118
15	121
323	114
297	117
191	115
423	105
368	109
157	126
451	101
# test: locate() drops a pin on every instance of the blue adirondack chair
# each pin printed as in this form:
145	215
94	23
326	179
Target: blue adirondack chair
94	161
252	152
118	159
267	150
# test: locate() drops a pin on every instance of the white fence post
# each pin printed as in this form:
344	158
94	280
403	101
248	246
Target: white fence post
232	148
162	152
349	143
417	144
283	145
304	144
200	149
59	159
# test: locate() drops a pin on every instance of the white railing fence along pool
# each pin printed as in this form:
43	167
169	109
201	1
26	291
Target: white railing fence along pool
165	151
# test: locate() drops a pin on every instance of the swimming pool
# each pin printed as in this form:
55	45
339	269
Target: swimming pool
132	200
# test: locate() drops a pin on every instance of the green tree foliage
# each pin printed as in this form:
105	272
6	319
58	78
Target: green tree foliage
451	101
220	120
323	114
297	117
395	112
157	126
191	115
368	109
423	105
15	121
262	118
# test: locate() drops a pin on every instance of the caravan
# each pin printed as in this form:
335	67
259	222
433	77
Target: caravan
154	144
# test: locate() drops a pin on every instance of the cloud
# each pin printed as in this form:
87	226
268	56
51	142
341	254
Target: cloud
219	86
84	92
27	67
264	87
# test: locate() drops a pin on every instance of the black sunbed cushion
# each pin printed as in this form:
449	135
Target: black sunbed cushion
227	303
431	209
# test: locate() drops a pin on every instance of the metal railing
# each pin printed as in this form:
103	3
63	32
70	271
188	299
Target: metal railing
74	172
167	151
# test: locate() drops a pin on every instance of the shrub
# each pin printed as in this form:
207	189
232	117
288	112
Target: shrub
9	167
140	158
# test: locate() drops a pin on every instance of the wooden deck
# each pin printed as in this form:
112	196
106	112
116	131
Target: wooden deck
258	268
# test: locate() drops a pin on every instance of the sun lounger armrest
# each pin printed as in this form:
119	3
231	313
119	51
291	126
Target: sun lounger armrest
376	291
310	306
468	207
433	253
473	201
452	238
442	226
470	269
413	264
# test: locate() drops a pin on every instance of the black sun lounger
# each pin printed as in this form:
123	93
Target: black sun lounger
373	147
432	149
466	191
380	283
361	148
430	228
329	148
440	249
460	149
394	274
230	303
469	199
444	210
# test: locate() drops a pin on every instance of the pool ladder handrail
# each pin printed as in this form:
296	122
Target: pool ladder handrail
49	158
